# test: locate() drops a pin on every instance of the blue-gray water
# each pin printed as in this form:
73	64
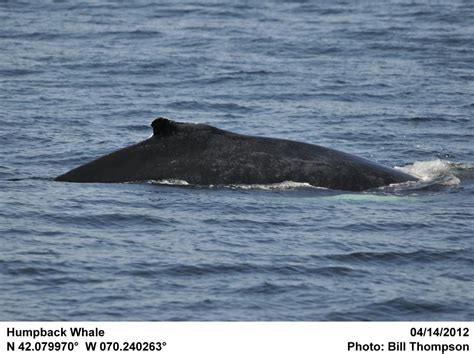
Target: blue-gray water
392	82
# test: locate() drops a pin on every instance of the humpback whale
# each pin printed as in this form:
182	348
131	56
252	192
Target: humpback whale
204	155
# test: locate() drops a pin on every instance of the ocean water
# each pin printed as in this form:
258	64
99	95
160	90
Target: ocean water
391	81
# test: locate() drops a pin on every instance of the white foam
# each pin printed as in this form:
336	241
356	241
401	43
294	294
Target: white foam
280	185
172	182
269	186
435	171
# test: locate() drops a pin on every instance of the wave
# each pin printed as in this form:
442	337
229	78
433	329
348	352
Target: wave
420	256
434	173
406	307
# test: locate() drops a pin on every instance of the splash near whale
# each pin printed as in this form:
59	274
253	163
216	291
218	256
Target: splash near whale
204	155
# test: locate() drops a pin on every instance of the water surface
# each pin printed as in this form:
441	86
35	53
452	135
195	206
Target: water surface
389	82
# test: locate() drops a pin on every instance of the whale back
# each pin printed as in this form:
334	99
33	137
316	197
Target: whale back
204	155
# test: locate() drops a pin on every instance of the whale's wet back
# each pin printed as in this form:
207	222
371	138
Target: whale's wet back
204	155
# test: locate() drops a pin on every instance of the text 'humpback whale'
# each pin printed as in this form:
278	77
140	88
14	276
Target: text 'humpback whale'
204	155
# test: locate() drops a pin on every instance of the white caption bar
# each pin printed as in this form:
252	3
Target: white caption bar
236	337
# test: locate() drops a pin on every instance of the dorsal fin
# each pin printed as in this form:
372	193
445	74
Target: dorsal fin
164	127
